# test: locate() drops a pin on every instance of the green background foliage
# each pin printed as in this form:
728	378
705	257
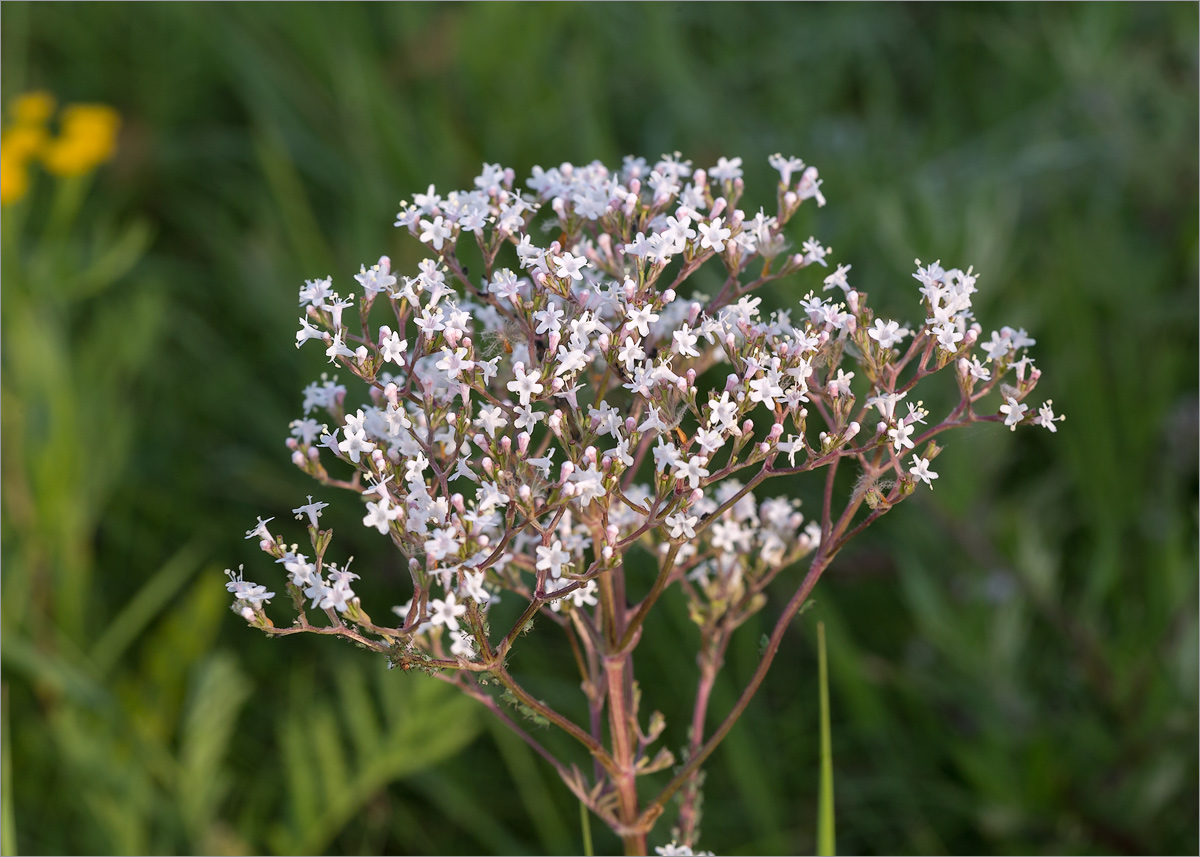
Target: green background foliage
1013	657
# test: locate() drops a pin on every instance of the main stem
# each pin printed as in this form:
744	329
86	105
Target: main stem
625	777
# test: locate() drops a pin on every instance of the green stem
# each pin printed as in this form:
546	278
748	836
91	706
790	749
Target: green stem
825	830
585	822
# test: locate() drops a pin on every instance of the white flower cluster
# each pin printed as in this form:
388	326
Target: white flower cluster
509	415
541	397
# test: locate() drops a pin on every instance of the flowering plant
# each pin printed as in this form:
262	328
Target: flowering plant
525	429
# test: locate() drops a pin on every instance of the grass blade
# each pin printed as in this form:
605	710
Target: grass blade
826	846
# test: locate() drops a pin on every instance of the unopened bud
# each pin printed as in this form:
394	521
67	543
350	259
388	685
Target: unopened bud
298	458
522	442
524	492
506	443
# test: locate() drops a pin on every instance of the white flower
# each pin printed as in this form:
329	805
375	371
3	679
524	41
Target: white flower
1015	412
446	612
920	469
887	334
552	558
525	385
682	525
713	235
435	232
313	510
570	266
900	436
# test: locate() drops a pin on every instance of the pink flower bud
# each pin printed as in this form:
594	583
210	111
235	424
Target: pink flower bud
524	493
554	340
635	186
487	465
611	532
522	442
748	427
452	418
506	444
700	177
694	313
790	200
292	443
313	453
266	545
690	377
852	430
456	501
668	296
606	552
964	367
298	458
630	424
764	447
718	206
776	431
852	300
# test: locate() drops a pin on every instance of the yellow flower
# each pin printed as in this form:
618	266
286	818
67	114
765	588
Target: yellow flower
88	138
22	142
14	178
17	146
33	108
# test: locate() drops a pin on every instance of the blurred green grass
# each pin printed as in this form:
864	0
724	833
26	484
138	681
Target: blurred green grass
1013	657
